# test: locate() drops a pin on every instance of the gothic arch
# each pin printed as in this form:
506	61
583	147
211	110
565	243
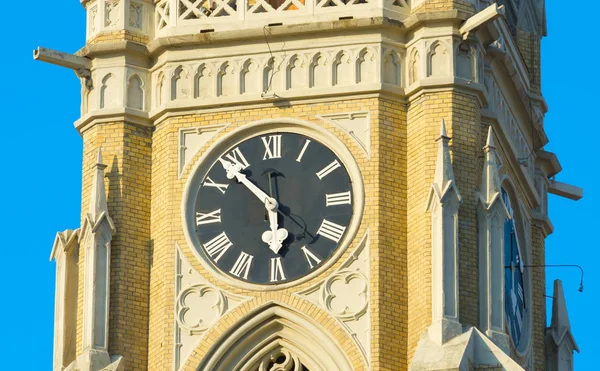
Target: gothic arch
270	330
524	239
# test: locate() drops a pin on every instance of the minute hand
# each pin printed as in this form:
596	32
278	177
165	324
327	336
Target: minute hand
233	170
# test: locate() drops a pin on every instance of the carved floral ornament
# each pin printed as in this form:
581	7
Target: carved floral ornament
280	359
345	294
208	306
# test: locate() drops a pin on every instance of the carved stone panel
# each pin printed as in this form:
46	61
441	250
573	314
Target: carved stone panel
198	306
345	295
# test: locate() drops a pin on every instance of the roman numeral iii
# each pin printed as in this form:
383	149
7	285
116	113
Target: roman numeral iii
277	270
216	247
236	156
212	217
328	169
272	146
331	230
241	268
343	198
210	183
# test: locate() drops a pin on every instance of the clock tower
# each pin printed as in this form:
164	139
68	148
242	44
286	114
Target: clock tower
309	185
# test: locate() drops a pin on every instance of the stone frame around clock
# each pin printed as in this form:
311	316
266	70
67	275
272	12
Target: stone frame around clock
202	166
522	351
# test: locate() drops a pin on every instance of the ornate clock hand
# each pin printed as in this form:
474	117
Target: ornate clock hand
275	236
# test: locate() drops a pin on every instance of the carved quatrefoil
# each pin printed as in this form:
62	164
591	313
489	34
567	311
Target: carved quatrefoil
198	308
345	294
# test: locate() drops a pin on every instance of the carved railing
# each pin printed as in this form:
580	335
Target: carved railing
173	16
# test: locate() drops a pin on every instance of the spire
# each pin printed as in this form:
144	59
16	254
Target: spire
561	325
490	183
98	204
443	169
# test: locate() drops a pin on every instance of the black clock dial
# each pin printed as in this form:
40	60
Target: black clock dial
515	304
280	214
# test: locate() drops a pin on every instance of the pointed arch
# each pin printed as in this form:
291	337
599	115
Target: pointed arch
160	89
135	92
108	92
250	77
392	68
438	60
318	71
226	84
180	83
342	69
270	329
295	73
203	84
272	76
414	70
366	68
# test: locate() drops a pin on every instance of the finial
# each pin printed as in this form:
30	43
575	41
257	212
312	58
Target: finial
490	144
98	203
443	132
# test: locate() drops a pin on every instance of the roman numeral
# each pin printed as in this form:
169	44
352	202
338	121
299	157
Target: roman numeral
303	150
272	147
277	270
331	230
338	199
241	268
216	247
310	257
328	169
236	156
210	183
212	217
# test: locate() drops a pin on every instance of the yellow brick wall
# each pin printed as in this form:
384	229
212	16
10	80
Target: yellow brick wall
121	35
441	5
425	114
529	47
126	150
384	215
538	290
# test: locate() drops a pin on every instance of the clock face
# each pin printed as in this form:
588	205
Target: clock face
272	209
515	304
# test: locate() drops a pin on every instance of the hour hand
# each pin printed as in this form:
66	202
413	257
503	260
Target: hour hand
274	237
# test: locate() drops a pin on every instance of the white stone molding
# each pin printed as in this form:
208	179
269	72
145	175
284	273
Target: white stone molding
281	75
66	254
356	124
366	66
177	17
500	109
96	235
560	342
191	140
271	328
277	359
114	15
443	202
391	68
439	59
345	295
255	128
491	214
471	350
198	306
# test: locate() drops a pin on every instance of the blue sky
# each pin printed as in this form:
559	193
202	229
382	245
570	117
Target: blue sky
41	183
